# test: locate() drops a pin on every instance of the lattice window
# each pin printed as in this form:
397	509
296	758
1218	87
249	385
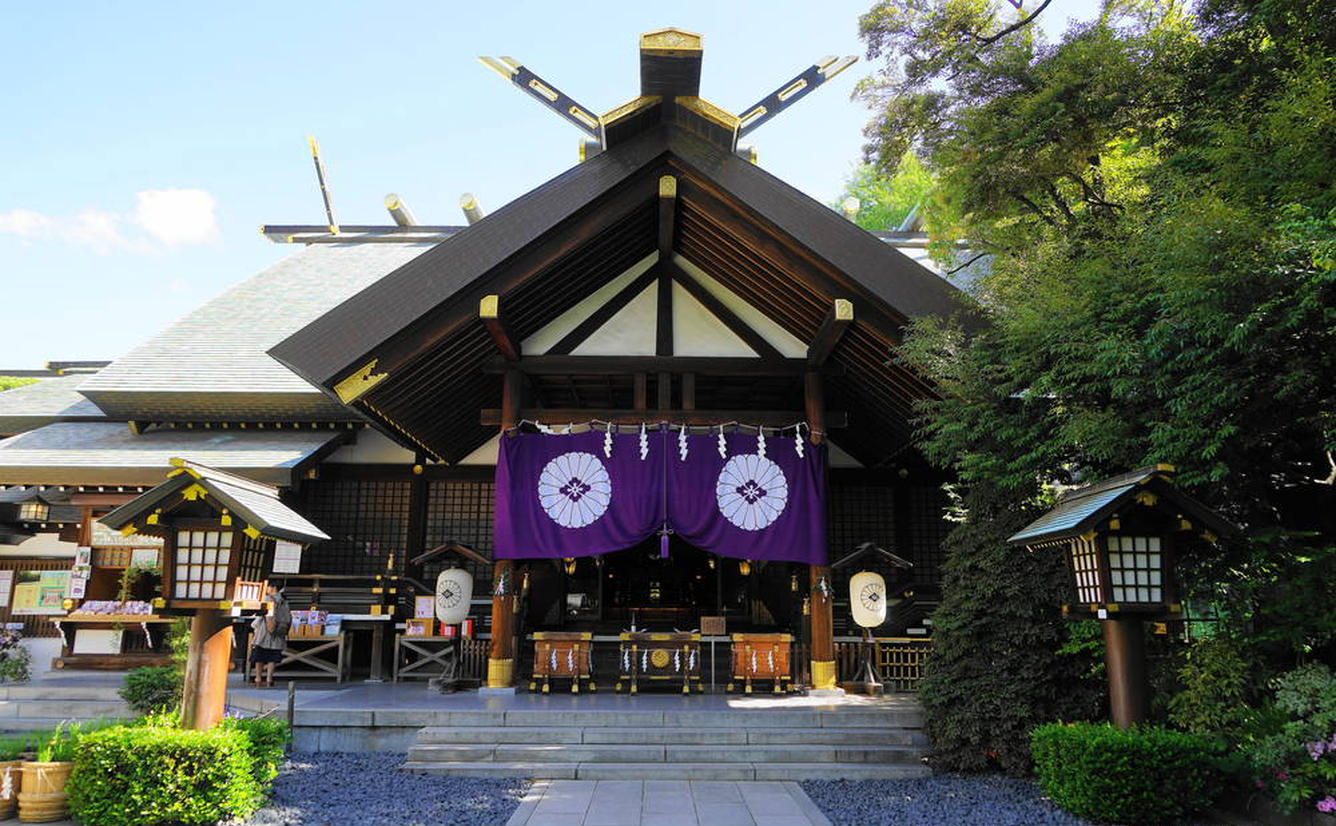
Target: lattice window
461	511
252	559
202	557
858	514
927	530
1085	565
366	522
1135	569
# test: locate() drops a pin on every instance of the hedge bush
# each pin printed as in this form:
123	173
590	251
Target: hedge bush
154	688
148	775
1142	775
266	738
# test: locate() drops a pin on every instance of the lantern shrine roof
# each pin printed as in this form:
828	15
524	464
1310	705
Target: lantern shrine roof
1081	509
255	504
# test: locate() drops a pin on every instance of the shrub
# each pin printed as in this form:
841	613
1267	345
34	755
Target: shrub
155	688
1143	775
146	775
1216	684
266	737
59	745
1296	760
15	660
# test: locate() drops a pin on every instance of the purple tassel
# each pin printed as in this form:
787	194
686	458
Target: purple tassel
663	545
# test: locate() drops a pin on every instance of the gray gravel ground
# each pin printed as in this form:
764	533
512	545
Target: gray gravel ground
370	790
940	800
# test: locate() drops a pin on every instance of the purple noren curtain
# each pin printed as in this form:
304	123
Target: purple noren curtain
563	496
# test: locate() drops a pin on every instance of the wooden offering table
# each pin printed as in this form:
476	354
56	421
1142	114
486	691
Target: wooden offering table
660	657
563	655
762	657
113	641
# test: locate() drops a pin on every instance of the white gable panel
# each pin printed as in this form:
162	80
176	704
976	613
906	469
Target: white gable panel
485	454
698	332
786	343
542	341
630	332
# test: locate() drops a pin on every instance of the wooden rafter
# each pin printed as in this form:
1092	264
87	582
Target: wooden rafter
489	309
698	418
663	338
837	320
550	365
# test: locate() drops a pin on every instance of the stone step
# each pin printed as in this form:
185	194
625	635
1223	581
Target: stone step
670	754
38	691
675	771
901	717
79	709
450	735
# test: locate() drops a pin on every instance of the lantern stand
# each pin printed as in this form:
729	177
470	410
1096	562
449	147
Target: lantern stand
867	601
220	531
1119	538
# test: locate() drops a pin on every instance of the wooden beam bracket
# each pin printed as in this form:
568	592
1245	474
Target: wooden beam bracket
837	320
489	310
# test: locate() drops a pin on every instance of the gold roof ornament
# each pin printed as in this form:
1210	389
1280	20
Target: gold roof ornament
671	42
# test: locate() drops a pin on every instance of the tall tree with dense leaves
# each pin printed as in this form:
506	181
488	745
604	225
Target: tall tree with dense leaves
1157	188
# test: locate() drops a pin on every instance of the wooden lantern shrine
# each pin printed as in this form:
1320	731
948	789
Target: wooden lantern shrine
219	532
1119	538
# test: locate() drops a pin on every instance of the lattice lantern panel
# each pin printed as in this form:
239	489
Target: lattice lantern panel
1085	567
201	564
1136	569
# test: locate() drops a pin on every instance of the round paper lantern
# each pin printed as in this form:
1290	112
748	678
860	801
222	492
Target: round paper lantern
454	592
867	597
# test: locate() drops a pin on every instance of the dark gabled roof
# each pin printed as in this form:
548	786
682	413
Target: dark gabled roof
255	504
1081	509
782	252
211	364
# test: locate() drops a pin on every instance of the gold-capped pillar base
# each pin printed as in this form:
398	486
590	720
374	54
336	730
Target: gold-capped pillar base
823	676
500	673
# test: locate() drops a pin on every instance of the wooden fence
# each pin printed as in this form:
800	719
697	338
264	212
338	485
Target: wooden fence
899	660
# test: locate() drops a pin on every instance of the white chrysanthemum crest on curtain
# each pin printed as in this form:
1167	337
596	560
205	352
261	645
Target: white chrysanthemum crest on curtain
751	491
574	489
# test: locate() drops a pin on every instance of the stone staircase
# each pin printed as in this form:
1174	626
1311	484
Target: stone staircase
762	744
48	700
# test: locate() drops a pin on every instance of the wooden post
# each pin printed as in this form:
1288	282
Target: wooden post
1125	659
501	656
823	621
205	687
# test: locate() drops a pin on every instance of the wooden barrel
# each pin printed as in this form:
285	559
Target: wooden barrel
11	777
42	795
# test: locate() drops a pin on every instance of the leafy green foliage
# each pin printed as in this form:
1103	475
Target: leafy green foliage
266	739
1155	186
154	688
995	670
885	202
178	642
1216	687
1296	760
15	660
10	382
144	775
1143	775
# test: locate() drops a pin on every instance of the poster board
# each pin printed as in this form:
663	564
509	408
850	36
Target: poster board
6	586
144	556
424	608
287	557
39	592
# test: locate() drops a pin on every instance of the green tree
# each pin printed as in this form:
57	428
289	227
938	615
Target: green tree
884	202
1156	187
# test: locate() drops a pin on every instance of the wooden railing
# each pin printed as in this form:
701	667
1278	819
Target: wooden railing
899	660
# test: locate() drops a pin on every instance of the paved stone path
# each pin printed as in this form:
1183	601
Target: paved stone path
666	803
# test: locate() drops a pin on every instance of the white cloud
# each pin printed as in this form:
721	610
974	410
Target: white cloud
169	217
177	216
24	223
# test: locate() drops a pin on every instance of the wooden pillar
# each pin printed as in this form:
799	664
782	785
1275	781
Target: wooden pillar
823	621
1125	660
206	669
501	657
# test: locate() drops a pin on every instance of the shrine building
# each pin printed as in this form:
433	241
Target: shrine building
659	393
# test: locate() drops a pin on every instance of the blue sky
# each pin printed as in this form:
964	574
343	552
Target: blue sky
144	143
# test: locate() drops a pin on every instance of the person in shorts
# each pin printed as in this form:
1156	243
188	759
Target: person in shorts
270	636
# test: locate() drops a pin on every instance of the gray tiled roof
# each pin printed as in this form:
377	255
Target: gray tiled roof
43	402
1080	507
212	364
107	453
254	503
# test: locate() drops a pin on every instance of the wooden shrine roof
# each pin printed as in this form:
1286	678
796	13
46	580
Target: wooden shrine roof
782	252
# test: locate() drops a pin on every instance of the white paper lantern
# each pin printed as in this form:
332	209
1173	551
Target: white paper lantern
867	597
454	592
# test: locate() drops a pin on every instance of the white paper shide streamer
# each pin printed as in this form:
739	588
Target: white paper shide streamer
723	445
644	443
682	443
607	443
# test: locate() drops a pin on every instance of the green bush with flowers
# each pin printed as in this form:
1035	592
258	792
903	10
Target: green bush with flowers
1292	755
